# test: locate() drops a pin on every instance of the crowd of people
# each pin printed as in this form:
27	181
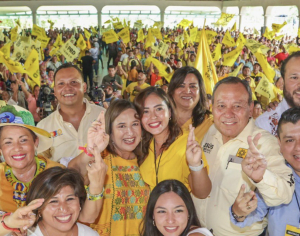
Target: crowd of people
145	150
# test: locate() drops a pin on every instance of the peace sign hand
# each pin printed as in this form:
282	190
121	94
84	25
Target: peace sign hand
244	203
254	165
97	135
193	150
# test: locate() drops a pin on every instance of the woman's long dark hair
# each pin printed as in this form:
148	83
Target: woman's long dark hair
200	110
147	228
174	128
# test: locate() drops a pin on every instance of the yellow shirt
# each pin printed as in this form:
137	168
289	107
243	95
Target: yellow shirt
66	139
228	177
130	89
201	129
173	164
10	187
125	198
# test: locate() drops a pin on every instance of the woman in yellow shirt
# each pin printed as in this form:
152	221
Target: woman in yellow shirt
188	93
169	153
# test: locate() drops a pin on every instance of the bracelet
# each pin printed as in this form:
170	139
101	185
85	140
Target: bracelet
85	151
5	226
197	168
93	197
235	216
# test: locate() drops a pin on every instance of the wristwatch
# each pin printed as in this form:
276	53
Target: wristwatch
235	216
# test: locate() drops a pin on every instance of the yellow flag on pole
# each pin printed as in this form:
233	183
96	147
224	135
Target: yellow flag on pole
255	31
110	36
185	23
161	68
51	23
224	19
5	50
14	34
87	34
141	35
81	43
268	70
94	31
231	57
277	27
124	34
255	46
205	65
236	70
180	43
265	88
58	42
241	40
216	55
228	40
37	31
156	32
193	34
299	32
118	25
233	27
32	66
150	37
12	66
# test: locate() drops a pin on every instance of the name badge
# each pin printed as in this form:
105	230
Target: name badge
292	230
234	159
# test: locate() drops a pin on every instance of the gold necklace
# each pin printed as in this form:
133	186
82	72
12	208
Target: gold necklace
47	231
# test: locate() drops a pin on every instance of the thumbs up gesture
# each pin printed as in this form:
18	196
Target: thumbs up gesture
254	165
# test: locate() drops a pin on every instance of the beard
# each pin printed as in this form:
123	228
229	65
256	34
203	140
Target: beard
289	97
108	95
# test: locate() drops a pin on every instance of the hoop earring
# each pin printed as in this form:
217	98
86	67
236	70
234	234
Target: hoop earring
35	152
154	223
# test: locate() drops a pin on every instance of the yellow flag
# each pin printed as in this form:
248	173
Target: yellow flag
32	66
1	36
193	34
87	34
216	55
14	34
205	65
279	37
277	27
269	34
265	88
241	40
293	49
162	48
228	40
110	36
94	31
210	35
161	68
18	22
186	37
138	25
299	32
185	23
180	43
124	23
124	34
81	43
37	31
58	42
54	51
51	23
118	25
70	51
224	19
158	24
150	38
268	70
231	57
44	41
140	35
233	27
255	46
154	50
156	32
236	70
12	66
5	50
256	32
107	22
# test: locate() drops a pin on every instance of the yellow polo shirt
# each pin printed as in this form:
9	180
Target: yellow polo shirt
66	139
228	177
130	89
173	164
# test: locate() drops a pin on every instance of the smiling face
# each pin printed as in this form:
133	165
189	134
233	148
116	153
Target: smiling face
291	89
156	115
126	131
61	211
170	214
69	87
186	96
231	110
290	144
18	147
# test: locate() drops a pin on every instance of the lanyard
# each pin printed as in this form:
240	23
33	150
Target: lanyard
298	205
156	169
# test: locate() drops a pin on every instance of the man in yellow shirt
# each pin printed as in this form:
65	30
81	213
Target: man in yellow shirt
134	88
233	163
256	74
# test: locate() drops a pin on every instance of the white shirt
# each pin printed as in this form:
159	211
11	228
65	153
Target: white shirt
123	56
269	120
83	230
203	231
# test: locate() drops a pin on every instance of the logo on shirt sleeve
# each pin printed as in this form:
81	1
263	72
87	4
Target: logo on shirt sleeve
56	133
208	147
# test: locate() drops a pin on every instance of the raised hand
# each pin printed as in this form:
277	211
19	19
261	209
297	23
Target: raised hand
23	217
193	149
97	135
244	203
254	165
96	171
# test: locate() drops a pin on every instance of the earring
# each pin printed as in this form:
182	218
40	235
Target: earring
35	152
154	223
80	209
170	118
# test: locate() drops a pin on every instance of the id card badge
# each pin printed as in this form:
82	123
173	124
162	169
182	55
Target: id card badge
292	230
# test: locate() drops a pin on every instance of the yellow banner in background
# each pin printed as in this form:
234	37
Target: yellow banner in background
58	42
156	32
38	31
233	27
51	23
12	66
185	23
256	32
44	41
236	70
228	40
265	88
5	50
277	27
162	48
255	46
231	57
224	19
32	66
118	25
193	34
87	34
154	50
267	69
216	55
14	34
110	36
1	36
70	51
125	35
141	35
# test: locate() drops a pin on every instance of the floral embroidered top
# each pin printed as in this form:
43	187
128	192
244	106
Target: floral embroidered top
125	198
12	191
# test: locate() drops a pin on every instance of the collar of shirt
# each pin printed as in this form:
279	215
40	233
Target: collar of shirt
242	136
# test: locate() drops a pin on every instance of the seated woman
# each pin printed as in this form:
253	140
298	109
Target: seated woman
125	195
19	145
169	153
170	211
54	200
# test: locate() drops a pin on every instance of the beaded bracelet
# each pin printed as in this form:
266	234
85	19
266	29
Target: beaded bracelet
93	197
85	151
5	226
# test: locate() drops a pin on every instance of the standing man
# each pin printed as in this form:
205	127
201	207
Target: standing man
68	125
234	141
87	67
